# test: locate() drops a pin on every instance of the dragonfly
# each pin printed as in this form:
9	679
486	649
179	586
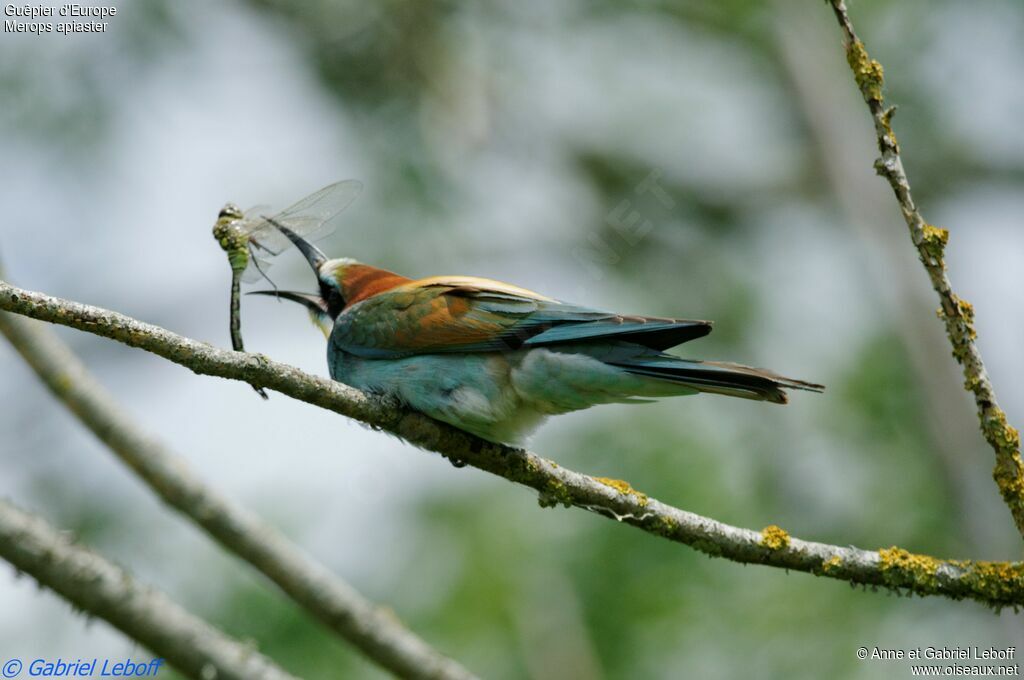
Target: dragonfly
251	239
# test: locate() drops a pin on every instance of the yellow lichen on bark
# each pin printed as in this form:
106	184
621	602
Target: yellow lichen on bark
624	487
1009	469
868	72
995	581
933	245
959	317
904	569
831	564
774	538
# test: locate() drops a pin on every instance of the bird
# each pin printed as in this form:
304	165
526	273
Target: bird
496	360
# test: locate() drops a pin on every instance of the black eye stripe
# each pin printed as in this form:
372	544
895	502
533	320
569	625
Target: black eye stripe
335	303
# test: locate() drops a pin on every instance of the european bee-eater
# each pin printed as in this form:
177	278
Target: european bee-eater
495	359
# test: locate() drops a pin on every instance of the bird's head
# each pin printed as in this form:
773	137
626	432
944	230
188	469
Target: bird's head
325	306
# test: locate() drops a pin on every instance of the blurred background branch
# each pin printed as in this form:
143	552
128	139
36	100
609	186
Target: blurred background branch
375	631
102	589
930	241
995	584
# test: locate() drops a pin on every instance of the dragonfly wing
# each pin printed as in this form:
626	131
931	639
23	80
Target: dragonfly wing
258	211
327	202
267	241
309	218
252	271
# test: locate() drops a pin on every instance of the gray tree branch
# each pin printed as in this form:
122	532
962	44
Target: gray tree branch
994	583
371	629
930	242
104	590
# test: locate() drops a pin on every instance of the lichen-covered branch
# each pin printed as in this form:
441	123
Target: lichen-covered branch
375	631
994	583
930	241
104	590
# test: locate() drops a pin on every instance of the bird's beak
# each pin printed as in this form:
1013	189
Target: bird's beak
314	303
313	255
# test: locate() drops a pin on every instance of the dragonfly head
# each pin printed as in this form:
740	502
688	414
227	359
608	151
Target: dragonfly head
228	237
229	213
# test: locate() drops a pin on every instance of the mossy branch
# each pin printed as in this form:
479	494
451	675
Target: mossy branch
956	313
99	588
994	583
375	631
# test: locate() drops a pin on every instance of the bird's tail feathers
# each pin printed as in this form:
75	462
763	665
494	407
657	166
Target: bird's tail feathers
735	380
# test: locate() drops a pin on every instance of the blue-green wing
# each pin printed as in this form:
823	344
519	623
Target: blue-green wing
437	318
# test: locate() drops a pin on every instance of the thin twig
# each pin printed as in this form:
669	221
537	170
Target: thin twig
375	631
994	583
930	241
102	589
